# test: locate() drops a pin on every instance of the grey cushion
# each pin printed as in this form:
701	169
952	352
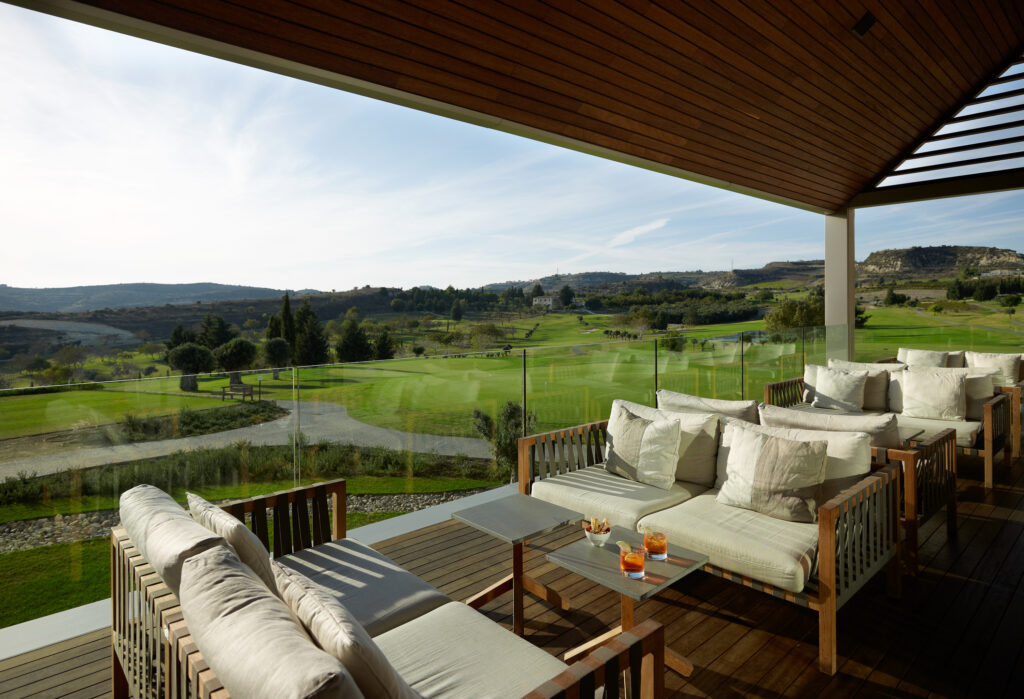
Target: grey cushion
848	453
249	548
775	476
456	652
967	431
838	389
698	439
883	428
597	493
643	450
685	403
333	627
379	593
876	388
162	530
249	636
750	543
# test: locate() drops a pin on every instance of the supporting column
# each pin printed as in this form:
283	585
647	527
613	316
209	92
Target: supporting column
840	275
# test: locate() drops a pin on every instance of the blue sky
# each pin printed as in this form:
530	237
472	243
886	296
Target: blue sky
123	160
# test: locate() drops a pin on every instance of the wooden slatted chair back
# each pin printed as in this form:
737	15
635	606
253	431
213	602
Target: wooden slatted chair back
301	517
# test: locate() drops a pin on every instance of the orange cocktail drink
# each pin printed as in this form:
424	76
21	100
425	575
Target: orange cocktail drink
656	545
631	561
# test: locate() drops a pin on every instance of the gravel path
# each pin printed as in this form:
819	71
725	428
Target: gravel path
31	533
319	421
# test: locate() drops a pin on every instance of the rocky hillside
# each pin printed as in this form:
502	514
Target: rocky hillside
937	261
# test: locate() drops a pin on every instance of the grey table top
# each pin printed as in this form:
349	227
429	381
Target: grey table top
516	518
601	565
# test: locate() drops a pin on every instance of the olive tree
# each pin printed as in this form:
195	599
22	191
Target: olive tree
190	359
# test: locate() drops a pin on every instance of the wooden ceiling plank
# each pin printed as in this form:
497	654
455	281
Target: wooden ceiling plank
983	183
729	60
761	51
649	69
630	104
837	68
934	21
963	22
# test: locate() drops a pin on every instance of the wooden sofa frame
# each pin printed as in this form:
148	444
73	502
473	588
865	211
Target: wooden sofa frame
995	424
928	471
858	534
1014	393
153	655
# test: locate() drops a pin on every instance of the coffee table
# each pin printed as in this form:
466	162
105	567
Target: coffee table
515	519
600	564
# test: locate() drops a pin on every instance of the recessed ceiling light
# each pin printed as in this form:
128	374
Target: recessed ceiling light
863	26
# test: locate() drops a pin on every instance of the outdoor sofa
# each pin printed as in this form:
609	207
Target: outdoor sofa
848	532
201	610
1009	379
978	411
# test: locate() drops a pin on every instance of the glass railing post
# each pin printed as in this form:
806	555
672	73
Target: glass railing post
743	376
296	443
655	370
525	426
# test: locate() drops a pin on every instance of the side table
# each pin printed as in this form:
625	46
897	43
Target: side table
515	519
600	564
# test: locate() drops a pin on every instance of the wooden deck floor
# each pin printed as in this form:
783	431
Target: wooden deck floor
957	631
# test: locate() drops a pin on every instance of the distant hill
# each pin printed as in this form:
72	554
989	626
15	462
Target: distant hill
90	298
935	261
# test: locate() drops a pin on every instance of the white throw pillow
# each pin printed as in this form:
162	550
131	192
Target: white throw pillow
979	386
775	476
335	629
896	391
876	389
698	439
918	357
250	638
685	403
848	453
935	395
1008	365
810	381
643	450
249	548
883	429
840	390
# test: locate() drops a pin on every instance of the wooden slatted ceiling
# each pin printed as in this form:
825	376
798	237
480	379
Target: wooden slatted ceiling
780	99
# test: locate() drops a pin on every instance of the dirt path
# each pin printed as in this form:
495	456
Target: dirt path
319	421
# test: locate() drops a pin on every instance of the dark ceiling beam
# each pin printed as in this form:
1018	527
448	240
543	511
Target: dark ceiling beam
985	183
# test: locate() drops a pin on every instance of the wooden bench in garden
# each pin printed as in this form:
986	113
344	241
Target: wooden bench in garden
238	389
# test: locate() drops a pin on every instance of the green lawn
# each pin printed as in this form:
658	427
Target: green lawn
354	485
50	579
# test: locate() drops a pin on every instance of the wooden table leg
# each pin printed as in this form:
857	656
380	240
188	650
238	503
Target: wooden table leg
674	660
491	593
517	589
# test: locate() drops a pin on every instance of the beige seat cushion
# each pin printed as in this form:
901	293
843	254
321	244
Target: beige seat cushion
967	431
685	403
162	530
597	493
250	638
771	550
883	428
249	548
379	593
457	652
698	439
333	627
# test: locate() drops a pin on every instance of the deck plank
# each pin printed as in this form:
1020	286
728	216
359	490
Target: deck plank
955	631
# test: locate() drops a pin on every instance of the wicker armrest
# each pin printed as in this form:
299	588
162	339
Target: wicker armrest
570	449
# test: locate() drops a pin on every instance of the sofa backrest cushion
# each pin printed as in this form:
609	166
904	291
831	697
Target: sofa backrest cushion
876	389
333	627
249	636
836	389
643	450
1007	365
162	530
698	439
848	453
919	357
936	395
979	387
772	475
956	360
883	429
249	548
685	403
